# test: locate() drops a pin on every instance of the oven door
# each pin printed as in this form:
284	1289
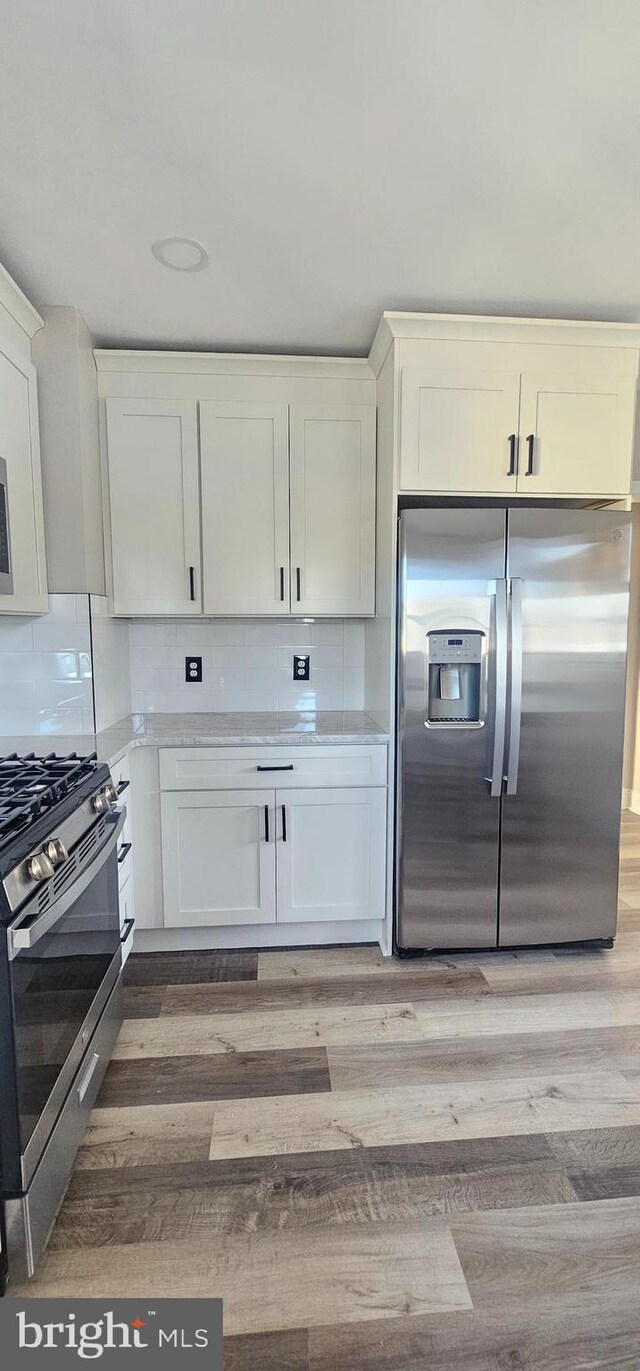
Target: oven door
63	963
6	575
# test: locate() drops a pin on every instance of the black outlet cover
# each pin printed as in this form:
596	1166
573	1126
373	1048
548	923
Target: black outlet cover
301	666
193	668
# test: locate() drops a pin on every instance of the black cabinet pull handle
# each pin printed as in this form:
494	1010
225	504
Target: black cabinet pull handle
298	594
124	850
282	583
192	583
513	454
266	823
288	767
531	443
128	925
124	785
284	824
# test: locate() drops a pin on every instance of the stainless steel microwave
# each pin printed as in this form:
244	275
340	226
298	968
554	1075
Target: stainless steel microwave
6	574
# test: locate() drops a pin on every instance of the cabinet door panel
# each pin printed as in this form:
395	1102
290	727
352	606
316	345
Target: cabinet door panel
218	868
583	431
455	428
332	864
245	507
19	446
152	453
333	472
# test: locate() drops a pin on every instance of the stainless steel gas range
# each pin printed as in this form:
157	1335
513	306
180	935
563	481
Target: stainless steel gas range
60	980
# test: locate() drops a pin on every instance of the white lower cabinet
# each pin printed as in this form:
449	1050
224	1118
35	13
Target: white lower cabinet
218	858
331	854
266	855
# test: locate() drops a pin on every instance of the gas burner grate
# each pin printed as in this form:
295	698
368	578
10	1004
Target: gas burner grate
30	785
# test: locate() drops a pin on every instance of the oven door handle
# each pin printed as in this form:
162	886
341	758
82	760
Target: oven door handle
22	937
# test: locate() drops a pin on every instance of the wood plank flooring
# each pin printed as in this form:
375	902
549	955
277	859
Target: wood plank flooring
462	1136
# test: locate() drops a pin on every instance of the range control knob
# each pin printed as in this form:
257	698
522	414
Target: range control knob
111	793
56	851
100	803
40	867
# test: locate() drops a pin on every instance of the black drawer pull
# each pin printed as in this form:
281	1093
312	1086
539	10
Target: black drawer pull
128	925
288	767
266	823
531	444
123	786
284	824
513	454
282	583
123	853
298	587
192	583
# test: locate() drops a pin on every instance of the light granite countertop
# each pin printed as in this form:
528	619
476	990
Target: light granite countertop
207	730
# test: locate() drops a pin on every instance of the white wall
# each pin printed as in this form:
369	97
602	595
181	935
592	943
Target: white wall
45	670
247	665
110	655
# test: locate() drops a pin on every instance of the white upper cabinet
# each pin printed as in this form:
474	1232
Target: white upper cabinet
459	430
332	464
491	432
154	506
245	507
20	449
510	407
577	434
274	477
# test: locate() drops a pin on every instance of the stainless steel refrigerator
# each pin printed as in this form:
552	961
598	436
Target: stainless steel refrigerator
512	628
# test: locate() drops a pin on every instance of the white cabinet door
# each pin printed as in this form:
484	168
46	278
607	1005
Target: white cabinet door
20	448
152	455
458	430
333	477
218	858
331	854
576	434
245	507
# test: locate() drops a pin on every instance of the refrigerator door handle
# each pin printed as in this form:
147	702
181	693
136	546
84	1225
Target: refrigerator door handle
515	706
500	703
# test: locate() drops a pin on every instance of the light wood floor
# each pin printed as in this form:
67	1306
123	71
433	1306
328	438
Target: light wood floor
380	1165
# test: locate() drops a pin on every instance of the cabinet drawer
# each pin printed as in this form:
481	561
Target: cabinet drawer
222	768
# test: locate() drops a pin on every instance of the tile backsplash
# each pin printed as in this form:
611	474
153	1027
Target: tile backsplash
57	668
45	670
246	665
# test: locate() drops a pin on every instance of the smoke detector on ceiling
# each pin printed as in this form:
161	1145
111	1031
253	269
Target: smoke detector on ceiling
180	254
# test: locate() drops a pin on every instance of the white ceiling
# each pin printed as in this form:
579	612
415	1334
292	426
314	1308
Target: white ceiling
336	157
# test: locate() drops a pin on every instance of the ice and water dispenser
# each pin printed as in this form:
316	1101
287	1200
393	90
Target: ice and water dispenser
454	687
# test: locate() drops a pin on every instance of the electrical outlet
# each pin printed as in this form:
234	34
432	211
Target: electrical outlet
301	666
193	668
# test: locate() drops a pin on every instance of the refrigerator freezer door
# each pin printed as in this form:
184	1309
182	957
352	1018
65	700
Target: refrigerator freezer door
561	812
451	578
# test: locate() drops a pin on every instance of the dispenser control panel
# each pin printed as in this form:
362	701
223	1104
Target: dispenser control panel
455	647
454	679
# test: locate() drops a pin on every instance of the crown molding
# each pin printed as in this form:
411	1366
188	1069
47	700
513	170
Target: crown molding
231	364
499	328
17	305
